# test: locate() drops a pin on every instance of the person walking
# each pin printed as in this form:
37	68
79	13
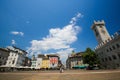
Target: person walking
61	70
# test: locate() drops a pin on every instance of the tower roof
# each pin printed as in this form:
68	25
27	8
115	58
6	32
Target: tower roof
97	23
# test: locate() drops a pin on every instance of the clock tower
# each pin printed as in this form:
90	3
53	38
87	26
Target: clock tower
100	31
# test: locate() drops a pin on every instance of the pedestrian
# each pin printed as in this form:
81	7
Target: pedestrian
61	70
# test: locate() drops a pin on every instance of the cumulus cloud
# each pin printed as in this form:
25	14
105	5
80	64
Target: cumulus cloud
58	39
17	33
13	42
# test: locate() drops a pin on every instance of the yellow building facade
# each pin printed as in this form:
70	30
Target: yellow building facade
45	63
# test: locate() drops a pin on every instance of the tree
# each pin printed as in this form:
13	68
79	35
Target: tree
89	57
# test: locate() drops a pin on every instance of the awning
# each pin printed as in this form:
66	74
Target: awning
80	66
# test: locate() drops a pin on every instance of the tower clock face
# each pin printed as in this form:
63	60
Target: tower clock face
103	31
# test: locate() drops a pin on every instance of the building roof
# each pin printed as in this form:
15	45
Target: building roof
41	55
45	58
48	55
53	55
78	54
16	50
4	49
20	49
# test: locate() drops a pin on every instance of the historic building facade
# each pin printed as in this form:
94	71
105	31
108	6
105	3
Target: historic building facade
27	62
75	61
16	57
33	62
108	49
54	60
39	61
44	61
4	53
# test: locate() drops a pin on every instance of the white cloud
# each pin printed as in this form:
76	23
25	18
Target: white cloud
17	33
64	53
59	39
74	19
13	42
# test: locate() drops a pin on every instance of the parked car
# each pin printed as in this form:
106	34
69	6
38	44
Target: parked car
92	68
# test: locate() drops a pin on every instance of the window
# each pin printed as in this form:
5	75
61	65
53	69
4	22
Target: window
106	59
117	45
13	61
114	57
107	50
77	63
110	58
4	63
110	49
96	33
113	47
100	26
4	58
119	56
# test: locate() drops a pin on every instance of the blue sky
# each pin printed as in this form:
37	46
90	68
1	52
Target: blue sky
31	24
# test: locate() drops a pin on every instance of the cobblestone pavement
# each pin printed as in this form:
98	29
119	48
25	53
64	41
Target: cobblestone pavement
67	75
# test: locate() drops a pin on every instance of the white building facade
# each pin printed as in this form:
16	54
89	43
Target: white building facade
33	61
38	63
16	57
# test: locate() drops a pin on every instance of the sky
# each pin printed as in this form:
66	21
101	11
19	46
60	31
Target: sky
55	26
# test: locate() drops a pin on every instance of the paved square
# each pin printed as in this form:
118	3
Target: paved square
67	75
